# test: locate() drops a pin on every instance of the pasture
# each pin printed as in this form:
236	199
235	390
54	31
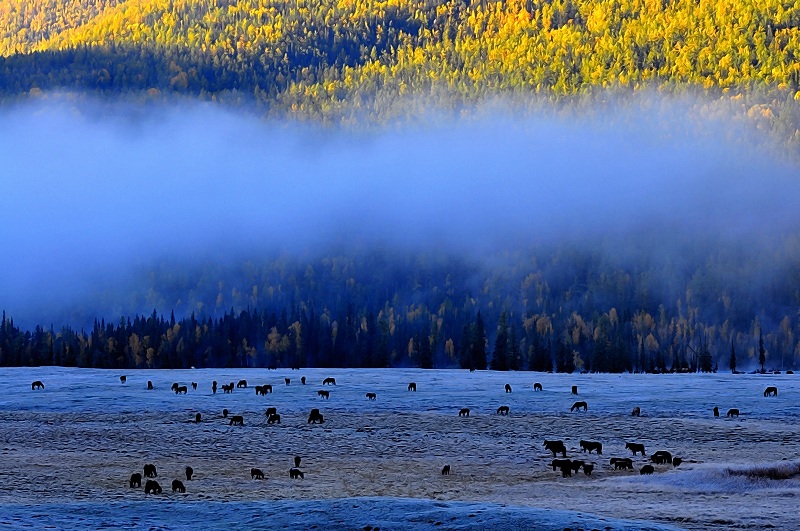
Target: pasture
78	440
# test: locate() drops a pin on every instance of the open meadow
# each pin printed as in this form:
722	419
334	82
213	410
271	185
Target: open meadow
69	450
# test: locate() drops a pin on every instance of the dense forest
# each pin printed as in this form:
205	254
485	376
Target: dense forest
565	308
345	59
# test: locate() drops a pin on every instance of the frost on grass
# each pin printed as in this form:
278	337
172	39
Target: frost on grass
76	443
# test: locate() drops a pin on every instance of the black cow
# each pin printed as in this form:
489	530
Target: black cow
556	447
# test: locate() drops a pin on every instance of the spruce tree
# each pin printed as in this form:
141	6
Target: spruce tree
478	347
500	354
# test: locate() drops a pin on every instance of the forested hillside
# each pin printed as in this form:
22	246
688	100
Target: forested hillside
329	59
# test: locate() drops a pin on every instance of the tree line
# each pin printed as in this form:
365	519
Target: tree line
564	310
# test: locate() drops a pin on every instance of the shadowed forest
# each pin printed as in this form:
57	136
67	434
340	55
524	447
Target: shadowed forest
563	309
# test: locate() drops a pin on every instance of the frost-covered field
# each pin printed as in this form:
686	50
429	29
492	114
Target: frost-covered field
69	450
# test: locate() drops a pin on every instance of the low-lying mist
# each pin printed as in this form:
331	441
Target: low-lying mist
90	199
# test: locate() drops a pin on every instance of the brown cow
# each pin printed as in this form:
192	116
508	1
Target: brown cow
372	396
635	412
315	417
503	410
37	385
537	386
635	448
412	387
296	473
136	480
771	391
463	412
152	487
578	406
329	381
733	413
508	388
237	420
588	446
178	486
256	473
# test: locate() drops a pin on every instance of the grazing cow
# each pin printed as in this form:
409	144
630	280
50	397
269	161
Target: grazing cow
578	406
661	457
574	389
716	411
587	468
194	386
324	394
732	413
371	396
182	389
178	486
123	379
287	380
136	480
565	465
646	469
676	461
635	448
227	388
537	386
503	410
241	383
152	487
256	473
771	391
197	418
446	470
315	417
556	447
329	381
621	463
463	412
189	471
508	388
635	412
577	465
273	419
175	386
588	446
412	387
225	413
296	473
237	420
297	460
263	389
149	385
303	380
150	471
271	411
37	385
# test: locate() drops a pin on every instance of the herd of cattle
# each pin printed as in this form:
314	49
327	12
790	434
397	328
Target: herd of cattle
566	466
